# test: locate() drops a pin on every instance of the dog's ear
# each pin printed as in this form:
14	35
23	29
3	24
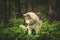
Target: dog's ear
26	15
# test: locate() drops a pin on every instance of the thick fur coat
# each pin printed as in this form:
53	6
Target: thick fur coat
33	22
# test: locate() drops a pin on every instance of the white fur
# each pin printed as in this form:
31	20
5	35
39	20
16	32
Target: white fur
23	27
27	21
35	26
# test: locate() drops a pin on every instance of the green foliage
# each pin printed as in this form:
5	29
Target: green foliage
50	31
47	32
12	33
16	22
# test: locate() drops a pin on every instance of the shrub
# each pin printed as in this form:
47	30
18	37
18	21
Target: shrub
16	22
47	32
12	33
50	31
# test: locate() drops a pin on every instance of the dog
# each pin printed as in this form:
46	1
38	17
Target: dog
33	22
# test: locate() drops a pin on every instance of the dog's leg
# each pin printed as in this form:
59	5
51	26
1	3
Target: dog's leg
36	31
29	31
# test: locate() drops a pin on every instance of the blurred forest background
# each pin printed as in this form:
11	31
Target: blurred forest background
11	16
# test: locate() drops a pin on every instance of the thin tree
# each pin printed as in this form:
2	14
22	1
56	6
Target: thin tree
18	9
58	9
27	6
4	11
52	11
9	8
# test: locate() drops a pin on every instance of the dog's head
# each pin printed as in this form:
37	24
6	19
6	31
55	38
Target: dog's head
27	16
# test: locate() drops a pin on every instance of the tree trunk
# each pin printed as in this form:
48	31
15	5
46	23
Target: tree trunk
52	11
18	9
9	9
27	6
33	5
5	12
58	9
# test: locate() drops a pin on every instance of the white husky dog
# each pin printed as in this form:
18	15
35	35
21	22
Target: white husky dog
33	22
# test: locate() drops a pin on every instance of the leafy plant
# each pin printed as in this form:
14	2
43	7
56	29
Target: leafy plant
47	32
16	22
